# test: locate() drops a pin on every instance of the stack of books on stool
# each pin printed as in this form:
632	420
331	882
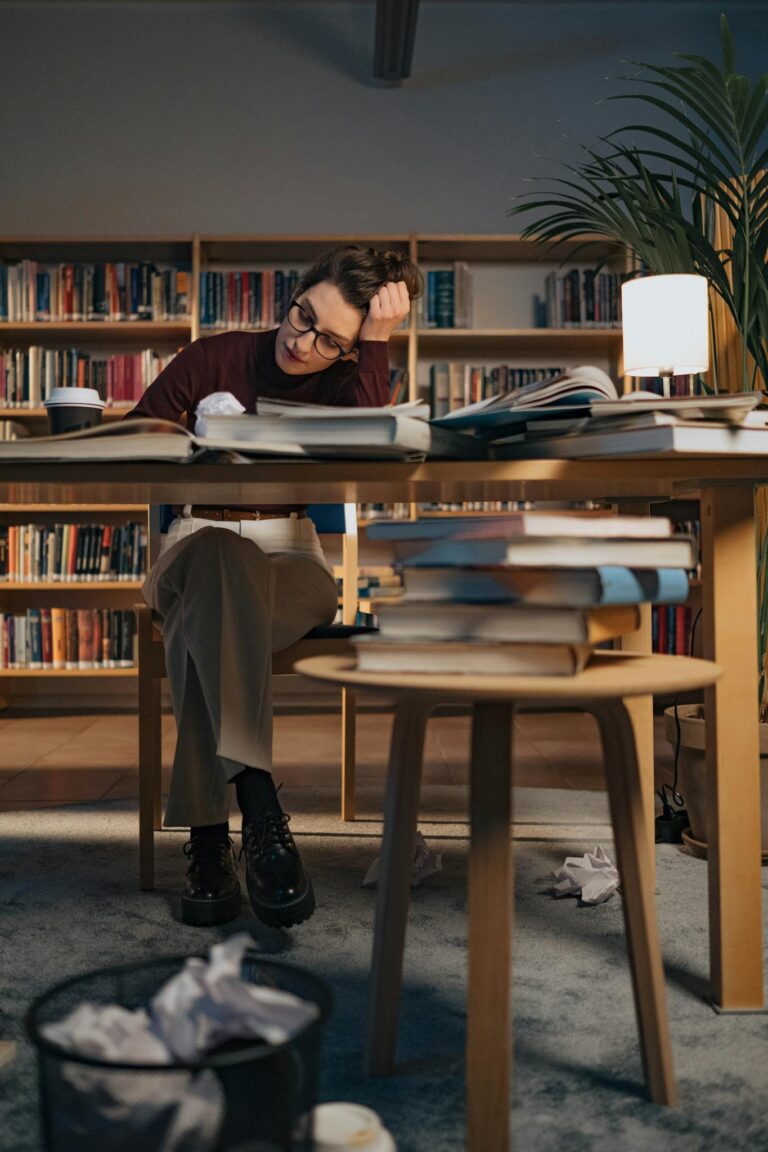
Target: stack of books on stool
527	593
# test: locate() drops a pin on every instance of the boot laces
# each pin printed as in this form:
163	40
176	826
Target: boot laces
268	832
206	852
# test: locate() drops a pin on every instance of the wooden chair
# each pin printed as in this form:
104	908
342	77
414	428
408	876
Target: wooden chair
330	519
604	688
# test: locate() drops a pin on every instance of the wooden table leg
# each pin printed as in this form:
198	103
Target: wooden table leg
626	796
641	707
489	1029
729	625
393	895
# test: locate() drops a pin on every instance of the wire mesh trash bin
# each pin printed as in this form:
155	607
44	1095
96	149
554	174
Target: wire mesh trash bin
243	1093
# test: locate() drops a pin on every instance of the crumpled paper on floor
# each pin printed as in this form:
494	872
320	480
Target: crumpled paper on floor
199	1008
593	876
217	404
206	1004
425	862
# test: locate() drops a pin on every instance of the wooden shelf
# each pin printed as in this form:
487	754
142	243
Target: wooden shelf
398	336
112	412
59	673
501	248
517	341
242	250
104	331
70	586
56	509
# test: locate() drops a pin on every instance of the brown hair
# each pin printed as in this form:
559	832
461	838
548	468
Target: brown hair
359	272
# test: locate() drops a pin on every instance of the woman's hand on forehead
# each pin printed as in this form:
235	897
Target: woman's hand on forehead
386	311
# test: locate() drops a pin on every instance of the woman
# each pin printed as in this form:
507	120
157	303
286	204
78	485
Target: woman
234	584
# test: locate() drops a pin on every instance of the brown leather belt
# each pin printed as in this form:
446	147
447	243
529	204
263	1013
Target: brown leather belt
202	513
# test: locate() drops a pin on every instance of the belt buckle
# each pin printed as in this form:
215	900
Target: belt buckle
257	514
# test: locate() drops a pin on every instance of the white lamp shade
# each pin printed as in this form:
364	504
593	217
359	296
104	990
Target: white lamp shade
666	325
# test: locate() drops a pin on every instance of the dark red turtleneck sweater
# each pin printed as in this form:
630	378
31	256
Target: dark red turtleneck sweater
244	364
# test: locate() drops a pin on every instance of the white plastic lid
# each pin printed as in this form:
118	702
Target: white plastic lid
84	397
342	1126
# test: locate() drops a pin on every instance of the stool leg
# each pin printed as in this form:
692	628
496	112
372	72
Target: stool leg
626	800
489	1031
400	813
348	752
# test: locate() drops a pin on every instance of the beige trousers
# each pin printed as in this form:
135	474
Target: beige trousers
224	605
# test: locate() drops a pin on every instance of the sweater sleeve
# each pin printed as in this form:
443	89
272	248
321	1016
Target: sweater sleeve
178	388
372	380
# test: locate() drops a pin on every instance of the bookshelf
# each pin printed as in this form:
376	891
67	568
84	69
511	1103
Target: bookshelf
506	272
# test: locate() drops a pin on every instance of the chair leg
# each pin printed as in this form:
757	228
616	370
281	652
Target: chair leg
489	1031
400	815
348	752
625	795
150	779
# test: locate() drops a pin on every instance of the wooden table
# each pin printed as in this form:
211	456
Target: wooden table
725	486
603	688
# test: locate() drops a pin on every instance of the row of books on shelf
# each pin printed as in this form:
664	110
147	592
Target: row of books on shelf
671	629
525	593
32	291
28	375
48	553
69	638
447	298
454	384
246	299
404	511
123	290
580	298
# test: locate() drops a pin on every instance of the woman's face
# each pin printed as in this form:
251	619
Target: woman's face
331	326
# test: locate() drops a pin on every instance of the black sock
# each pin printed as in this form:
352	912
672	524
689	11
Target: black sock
211	831
256	793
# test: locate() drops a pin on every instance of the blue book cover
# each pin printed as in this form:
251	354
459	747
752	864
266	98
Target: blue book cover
550	551
568	587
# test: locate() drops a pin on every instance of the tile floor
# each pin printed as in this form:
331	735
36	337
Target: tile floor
49	760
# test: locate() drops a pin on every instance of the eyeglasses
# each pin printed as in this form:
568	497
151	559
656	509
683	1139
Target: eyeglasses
325	345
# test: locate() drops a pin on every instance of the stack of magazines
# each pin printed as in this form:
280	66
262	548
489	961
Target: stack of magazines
528	593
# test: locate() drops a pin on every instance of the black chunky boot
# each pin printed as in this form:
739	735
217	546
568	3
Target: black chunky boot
212	891
279	888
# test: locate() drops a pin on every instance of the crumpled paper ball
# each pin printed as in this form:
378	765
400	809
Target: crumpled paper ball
592	876
425	862
217	404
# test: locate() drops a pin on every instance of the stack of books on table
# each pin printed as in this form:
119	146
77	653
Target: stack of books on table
528	593
579	414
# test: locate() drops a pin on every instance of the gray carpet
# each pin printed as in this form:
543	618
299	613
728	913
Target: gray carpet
69	903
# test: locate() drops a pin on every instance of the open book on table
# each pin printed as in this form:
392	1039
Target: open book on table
387	437
575	389
580	399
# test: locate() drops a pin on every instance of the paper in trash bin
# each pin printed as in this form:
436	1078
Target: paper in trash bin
425	862
593	876
109	1032
195	1011
208	1003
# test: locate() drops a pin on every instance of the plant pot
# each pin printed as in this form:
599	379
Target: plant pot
692	777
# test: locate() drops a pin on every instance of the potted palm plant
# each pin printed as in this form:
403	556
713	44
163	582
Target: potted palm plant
687	193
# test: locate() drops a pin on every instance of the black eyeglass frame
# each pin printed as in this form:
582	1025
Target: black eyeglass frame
312	328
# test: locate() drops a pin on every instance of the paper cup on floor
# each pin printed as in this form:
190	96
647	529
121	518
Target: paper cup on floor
70	409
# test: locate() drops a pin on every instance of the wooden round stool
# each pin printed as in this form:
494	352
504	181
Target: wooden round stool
602	688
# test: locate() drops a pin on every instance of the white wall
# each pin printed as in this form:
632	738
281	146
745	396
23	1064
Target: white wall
236	117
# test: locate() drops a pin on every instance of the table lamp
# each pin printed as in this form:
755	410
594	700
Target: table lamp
665	322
